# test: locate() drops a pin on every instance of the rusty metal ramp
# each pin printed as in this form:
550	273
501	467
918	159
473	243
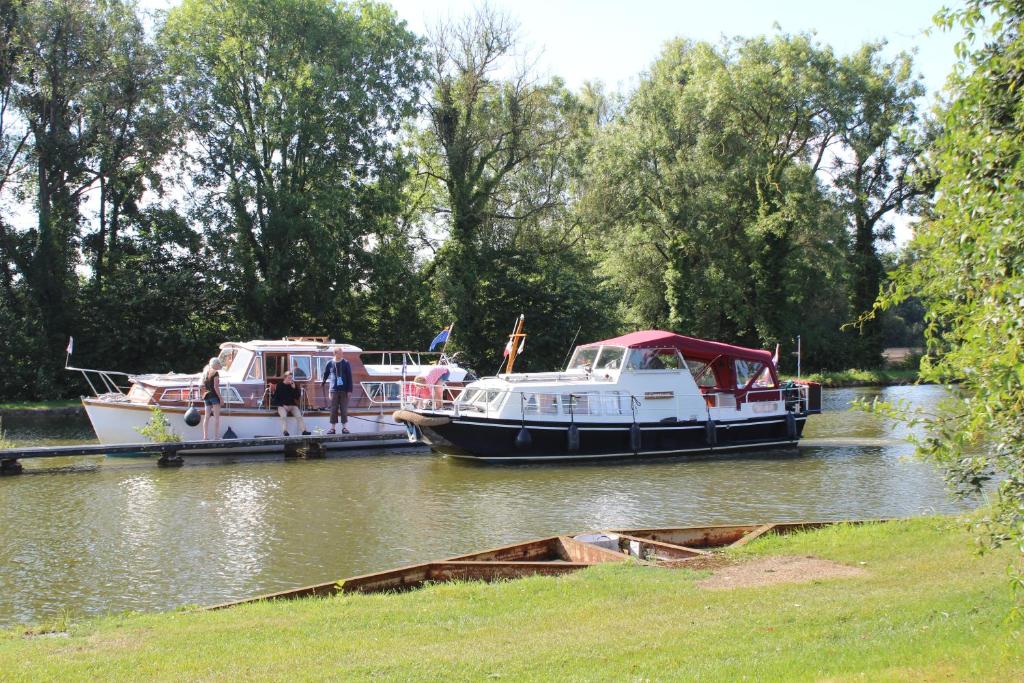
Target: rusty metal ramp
552	555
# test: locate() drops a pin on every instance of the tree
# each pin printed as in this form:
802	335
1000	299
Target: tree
293	108
969	272
709	180
135	130
501	154
13	137
875	171
75	61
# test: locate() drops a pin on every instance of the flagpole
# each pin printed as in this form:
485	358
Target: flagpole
517	334
445	347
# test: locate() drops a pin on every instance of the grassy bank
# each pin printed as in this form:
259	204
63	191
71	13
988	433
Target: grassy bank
863	378
926	608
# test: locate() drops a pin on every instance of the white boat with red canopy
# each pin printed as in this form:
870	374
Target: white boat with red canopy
649	393
249	375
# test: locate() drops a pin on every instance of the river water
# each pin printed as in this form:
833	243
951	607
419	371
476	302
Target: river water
122	534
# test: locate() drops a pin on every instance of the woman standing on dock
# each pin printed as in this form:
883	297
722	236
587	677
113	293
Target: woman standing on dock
211	397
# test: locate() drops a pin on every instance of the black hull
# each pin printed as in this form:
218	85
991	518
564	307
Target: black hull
496	440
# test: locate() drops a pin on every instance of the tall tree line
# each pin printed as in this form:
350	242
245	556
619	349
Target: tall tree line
244	168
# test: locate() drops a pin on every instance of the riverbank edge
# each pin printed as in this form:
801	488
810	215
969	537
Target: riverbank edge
43	409
926	606
844	379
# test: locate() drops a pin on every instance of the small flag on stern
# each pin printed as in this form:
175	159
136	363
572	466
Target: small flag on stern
71	345
508	348
441	338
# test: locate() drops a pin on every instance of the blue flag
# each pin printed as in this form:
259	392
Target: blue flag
441	338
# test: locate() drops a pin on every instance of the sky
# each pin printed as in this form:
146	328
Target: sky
615	41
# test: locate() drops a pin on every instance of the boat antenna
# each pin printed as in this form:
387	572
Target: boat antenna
571	345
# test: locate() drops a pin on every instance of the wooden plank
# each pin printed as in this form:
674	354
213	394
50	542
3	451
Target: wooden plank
759	531
669	549
692	537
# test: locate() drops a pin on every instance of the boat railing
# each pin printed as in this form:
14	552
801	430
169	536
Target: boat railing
492	402
795	397
543	377
411	394
104	378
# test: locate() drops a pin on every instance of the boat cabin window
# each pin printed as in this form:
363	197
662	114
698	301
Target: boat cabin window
301	368
583	358
139	393
231	395
703	375
227	357
321	363
256	371
276	364
610	358
748	372
654	359
482	399
540	404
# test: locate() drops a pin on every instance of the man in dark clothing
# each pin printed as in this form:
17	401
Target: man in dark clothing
339	373
285	398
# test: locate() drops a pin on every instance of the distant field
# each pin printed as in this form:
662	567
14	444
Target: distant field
920	603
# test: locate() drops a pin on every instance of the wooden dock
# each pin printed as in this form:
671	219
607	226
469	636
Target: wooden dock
309	446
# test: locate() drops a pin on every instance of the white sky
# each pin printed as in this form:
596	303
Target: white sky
614	41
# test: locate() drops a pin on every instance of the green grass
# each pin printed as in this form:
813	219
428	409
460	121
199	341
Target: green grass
930	608
859	378
40	405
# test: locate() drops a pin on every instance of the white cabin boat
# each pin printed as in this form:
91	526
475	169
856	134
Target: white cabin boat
650	393
251	370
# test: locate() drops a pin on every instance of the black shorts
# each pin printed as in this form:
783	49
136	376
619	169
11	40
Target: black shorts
211	400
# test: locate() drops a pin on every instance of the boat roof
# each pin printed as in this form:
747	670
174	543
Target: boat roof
690	347
290	345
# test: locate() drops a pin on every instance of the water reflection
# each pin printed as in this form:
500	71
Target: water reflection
131	536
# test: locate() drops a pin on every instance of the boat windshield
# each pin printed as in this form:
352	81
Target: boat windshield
610	358
654	359
227	356
583	358
597	358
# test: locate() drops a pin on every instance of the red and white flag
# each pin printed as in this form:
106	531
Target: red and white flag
508	348
775	358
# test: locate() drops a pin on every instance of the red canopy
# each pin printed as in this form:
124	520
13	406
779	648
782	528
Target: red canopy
690	347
